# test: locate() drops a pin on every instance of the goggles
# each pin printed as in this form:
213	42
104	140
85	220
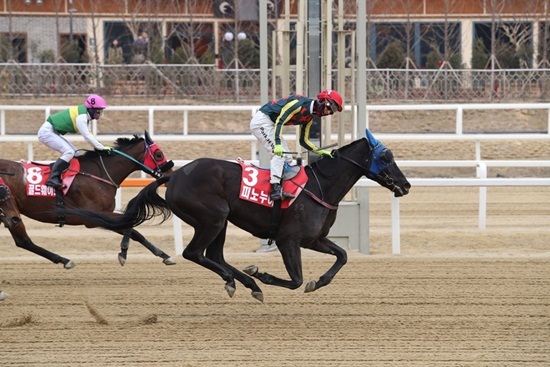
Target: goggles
330	105
95	113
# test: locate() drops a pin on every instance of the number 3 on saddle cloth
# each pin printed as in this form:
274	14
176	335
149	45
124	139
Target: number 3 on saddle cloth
255	185
36	175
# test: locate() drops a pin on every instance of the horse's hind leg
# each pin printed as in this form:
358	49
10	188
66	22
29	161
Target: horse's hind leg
124	245
22	240
214	252
136	236
195	251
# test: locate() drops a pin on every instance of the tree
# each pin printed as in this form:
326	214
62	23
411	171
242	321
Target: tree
72	53
507	56
451	34
249	54
480	56
393	56
495	7
46	56
407	31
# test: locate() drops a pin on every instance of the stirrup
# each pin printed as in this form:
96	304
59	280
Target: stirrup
276	195
55	184
287	195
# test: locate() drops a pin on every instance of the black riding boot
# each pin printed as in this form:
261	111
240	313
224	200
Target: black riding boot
55	176
277	192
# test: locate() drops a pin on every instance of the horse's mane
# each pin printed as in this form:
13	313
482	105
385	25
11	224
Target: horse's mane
120	144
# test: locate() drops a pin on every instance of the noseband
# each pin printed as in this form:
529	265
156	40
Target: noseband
365	169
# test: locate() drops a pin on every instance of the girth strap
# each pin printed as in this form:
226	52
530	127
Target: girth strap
275	221
60	203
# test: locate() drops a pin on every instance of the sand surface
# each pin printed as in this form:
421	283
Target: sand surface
456	296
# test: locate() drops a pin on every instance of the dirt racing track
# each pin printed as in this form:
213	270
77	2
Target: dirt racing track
456	296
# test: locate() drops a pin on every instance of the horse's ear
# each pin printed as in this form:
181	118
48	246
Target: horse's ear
148	139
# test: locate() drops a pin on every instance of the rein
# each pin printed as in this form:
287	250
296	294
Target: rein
315	197
100	179
110	181
106	172
364	170
143	166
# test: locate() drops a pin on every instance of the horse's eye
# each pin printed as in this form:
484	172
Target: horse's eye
159	155
386	156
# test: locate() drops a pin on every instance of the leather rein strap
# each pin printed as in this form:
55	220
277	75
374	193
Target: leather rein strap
99	179
110	181
315	197
321	201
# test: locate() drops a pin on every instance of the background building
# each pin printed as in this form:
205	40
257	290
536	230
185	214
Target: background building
411	35
402	33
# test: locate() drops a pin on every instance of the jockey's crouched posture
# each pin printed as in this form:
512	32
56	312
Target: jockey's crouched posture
72	120
267	126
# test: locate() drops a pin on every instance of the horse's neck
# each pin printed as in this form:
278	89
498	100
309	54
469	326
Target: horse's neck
333	188
115	168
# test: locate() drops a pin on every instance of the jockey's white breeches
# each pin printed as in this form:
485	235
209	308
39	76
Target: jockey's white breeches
262	128
50	138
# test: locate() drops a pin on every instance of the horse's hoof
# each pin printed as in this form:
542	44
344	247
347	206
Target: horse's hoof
250	270
69	265
169	261
259	296
230	290
3	295
310	286
121	259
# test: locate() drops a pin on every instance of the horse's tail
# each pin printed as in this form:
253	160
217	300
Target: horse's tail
145	206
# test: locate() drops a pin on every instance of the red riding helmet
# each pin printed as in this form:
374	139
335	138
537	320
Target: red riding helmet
333	97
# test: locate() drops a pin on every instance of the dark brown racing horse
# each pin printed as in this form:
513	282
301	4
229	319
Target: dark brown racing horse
94	188
205	195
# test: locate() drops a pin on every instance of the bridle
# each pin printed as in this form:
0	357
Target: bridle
378	158
150	155
157	172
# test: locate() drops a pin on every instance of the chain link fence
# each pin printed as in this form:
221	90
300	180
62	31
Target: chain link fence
206	82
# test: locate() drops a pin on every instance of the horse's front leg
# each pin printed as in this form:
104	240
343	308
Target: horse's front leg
136	236
22	240
326	246
290	252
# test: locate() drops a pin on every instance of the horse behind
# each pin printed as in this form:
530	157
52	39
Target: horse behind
205	195
94	188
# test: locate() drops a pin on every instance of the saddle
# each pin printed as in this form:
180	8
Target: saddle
36	174
255	186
